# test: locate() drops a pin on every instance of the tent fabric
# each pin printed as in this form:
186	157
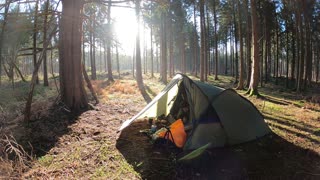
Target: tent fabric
217	116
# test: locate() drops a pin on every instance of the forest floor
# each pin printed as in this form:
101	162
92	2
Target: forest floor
56	144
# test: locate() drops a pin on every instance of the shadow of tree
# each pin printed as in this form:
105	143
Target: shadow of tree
45	128
270	157
149	90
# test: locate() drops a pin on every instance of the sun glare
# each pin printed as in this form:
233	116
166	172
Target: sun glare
126	28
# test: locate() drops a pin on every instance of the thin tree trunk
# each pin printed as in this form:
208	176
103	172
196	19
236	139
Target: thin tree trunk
236	44
92	64
253	88
138	56
202	50
110	77
302	54
89	85
293	49
226	55
133	61
157	57
287	55
4	23
118	63
170	49
27	110
208	41
83	51
45	24
163	47
248	43
151	53
35	32
241	78
19	72
215	40
195	38
277	54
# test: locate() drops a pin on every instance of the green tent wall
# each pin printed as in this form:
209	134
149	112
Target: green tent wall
219	116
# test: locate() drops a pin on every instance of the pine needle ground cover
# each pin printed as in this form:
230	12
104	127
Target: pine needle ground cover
88	146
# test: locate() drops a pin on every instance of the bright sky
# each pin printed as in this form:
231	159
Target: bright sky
126	28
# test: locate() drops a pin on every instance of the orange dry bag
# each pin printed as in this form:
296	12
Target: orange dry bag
178	135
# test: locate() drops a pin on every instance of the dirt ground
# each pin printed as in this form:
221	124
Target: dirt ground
89	146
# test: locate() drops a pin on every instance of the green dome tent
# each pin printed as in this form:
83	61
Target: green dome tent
217	116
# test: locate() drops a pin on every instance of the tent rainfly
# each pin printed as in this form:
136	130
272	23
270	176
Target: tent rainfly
217	116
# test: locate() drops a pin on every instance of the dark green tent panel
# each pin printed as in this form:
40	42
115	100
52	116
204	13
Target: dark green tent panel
221	117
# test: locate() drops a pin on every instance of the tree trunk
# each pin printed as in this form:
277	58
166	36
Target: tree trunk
267	50
170	49
236	44
202	50
215	41
248	43
157	57
205	43
287	55
208	41
45	24
163	47
4	23
308	51
27	111
318	62
277	56
253	88
241	77
118	63
35	32
293	49
92	58
83	52
72	89
110	77
195	43
138	57
19	72
226	56
151	53
133	61
302	54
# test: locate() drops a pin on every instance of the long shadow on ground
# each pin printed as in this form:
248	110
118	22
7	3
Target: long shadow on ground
48	122
270	157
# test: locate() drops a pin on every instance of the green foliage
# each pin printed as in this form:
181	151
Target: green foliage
46	160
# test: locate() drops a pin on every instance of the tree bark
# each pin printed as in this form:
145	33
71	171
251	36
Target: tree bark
163	47
202	49
45	24
248	43
241	77
236	44
4	23
170	49
195	38
72	89
35	32
302	54
110	76
151	53
215	41
138	56
253	88
118	63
